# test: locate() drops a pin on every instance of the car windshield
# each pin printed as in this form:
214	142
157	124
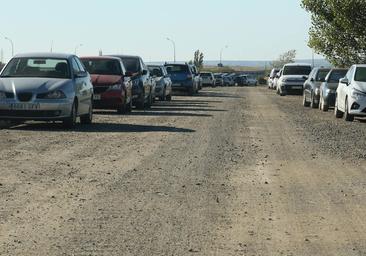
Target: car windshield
296	70
177	68
102	66
156	71
131	64
218	76
322	74
336	75
360	75
37	67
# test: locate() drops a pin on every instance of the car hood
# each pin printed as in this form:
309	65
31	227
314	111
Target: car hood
105	79
31	84
361	86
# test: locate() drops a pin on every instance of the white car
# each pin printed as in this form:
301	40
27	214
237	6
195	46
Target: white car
276	78
293	77
351	94
272	77
208	79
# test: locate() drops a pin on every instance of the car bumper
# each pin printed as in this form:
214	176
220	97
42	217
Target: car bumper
182	85
35	110
159	91
357	106
292	87
108	100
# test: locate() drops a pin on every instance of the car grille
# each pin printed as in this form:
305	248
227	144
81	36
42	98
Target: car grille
100	89
9	95
29	113
295	81
24	96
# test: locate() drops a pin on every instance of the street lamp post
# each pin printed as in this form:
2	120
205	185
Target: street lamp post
77	47
12	45
173	48
222	49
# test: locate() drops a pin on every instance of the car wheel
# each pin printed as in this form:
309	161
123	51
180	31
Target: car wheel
70	121
140	104
305	103
325	105
191	91
337	112
312	102
150	101
129	106
347	116
163	98
88	118
169	97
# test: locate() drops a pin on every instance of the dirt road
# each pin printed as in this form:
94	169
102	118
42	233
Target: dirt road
233	171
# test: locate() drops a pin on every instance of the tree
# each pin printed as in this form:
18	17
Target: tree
287	57
338	30
198	59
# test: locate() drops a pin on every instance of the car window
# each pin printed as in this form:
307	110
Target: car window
336	75
156	71
296	70
177	69
81	65
75	66
349	74
103	66
132	64
322	74
37	67
360	74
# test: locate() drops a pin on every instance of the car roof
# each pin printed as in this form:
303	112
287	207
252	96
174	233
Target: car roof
123	56
297	64
176	64
360	65
101	58
157	66
45	55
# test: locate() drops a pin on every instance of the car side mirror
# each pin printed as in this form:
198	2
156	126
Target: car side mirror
344	81
81	74
144	72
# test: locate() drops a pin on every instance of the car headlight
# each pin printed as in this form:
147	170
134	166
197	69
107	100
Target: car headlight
115	87
52	95
356	94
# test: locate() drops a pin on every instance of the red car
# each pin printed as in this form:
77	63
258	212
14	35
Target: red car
112	86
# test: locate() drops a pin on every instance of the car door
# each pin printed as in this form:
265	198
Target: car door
80	87
146	79
308	84
342	88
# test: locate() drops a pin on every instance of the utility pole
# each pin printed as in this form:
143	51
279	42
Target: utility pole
173	48
2	55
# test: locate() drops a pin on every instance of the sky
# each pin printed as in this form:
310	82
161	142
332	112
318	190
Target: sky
252	29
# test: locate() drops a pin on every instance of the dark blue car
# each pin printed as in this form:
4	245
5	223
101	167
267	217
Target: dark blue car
182	78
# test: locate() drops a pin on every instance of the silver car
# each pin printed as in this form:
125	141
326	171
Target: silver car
328	88
163	89
46	87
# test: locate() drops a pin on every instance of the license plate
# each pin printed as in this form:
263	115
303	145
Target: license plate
24	106
97	97
296	87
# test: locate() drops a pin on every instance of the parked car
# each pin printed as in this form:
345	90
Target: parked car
241	80
219	80
208	79
112	89
163	89
311	94
293	78
275	80
228	81
252	81
329	87
46	87
182	78
271	78
351	94
197	77
143	89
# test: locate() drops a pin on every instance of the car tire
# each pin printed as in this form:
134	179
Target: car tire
150	101
129	106
169	97
163	98
191	91
337	112
312	102
324	105
123	108
347	116
88	118
70	121
305	103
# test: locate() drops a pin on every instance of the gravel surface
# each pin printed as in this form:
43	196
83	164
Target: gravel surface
232	171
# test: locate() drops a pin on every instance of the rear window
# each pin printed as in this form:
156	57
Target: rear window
177	69
296	70
102	66
336	75
360	75
156	71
